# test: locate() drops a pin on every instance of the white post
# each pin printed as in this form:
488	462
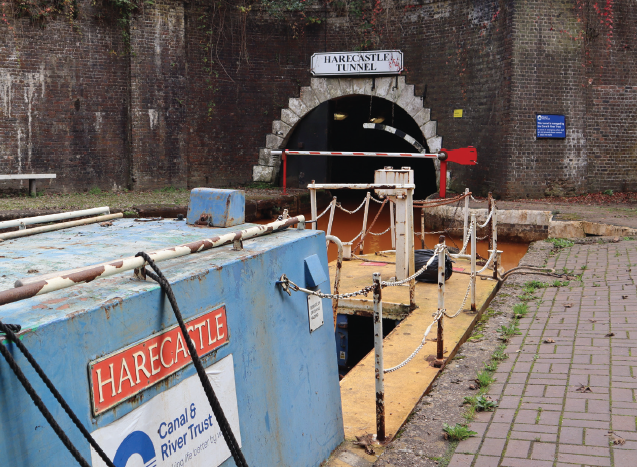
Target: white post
313	211
473	262
466	217
494	235
441	299
402	238
392	223
378	350
365	222
329	223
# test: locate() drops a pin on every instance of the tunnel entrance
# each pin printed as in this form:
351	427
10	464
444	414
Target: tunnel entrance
337	125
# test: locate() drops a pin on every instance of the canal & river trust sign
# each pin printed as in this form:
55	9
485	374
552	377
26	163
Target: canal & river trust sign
376	62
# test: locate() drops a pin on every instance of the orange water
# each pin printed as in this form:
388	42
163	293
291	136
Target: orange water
347	226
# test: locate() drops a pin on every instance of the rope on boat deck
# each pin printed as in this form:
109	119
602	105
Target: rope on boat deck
226	430
8	330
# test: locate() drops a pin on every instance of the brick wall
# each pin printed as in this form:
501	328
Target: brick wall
192	103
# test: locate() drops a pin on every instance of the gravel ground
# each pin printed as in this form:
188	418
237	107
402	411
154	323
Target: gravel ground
421	441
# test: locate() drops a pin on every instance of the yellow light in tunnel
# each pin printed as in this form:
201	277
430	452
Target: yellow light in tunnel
340	116
377	120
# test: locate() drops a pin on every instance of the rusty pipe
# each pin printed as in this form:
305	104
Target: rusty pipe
378	350
53	217
90	273
441	299
337	277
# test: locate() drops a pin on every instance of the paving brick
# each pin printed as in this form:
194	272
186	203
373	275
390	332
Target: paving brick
518	448
492	447
461	460
543	451
485	461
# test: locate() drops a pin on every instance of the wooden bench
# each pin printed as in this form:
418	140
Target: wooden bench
31	177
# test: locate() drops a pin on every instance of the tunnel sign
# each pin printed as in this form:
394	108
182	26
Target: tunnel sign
315	312
128	371
550	126
376	62
176	427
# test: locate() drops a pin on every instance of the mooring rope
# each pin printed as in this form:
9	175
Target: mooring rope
224	425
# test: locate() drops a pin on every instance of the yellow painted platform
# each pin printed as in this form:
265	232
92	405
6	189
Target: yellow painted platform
404	387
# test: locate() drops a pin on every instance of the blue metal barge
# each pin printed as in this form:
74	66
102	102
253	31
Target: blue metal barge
111	347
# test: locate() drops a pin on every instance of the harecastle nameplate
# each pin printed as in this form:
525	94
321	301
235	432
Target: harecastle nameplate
376	62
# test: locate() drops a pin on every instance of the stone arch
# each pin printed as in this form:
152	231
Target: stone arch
393	89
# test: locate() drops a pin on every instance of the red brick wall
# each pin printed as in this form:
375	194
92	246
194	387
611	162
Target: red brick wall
192	103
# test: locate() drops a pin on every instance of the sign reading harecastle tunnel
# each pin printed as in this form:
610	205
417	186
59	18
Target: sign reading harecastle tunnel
376	62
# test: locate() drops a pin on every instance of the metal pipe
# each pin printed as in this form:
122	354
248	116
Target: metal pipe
365	214
284	157
415	155
466	217
53	217
473	262
60	226
331	220
392	224
378	350
313	209
441	299
361	186
337	277
422	228
65	279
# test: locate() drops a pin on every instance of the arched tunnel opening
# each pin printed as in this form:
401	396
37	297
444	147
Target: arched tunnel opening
337	125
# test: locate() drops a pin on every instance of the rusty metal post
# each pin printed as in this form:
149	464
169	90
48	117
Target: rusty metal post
313	210
489	229
473	262
441	298
378	350
365	222
422	227
337	277
466	217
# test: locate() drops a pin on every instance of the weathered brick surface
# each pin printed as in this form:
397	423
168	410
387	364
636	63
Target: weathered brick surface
192	103
573	427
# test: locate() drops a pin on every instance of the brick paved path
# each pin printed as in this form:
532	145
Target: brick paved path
542	421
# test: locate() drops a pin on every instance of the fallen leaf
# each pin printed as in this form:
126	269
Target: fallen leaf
583	388
593	320
106	224
549	341
473	387
610	334
366	441
616	438
624	296
568	305
32	271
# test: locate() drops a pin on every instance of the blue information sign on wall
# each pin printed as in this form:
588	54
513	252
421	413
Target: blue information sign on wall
550	126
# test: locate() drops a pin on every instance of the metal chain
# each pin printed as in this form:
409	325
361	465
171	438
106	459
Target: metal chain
381	233
422	344
338	205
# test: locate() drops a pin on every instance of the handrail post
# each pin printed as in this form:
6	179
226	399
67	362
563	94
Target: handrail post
422	227
473	262
284	156
466	217
337	277
441	298
378	350
494	239
313	210
392	224
331	220
365	223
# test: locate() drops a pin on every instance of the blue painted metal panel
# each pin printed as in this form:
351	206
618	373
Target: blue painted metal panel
342	339
314	273
226	207
550	126
286	378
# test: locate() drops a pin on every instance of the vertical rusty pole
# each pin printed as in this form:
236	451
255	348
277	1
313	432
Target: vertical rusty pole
285	171
422	227
378	350
489	238
313	207
473	262
494	239
441	298
466	217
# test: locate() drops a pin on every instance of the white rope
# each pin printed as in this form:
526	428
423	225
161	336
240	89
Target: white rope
376	200
494	252
463	301
353	239
466	241
488	218
381	233
478	200
415	352
417	273
338	205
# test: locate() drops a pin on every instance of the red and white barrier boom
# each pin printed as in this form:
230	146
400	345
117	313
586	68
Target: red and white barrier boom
462	156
